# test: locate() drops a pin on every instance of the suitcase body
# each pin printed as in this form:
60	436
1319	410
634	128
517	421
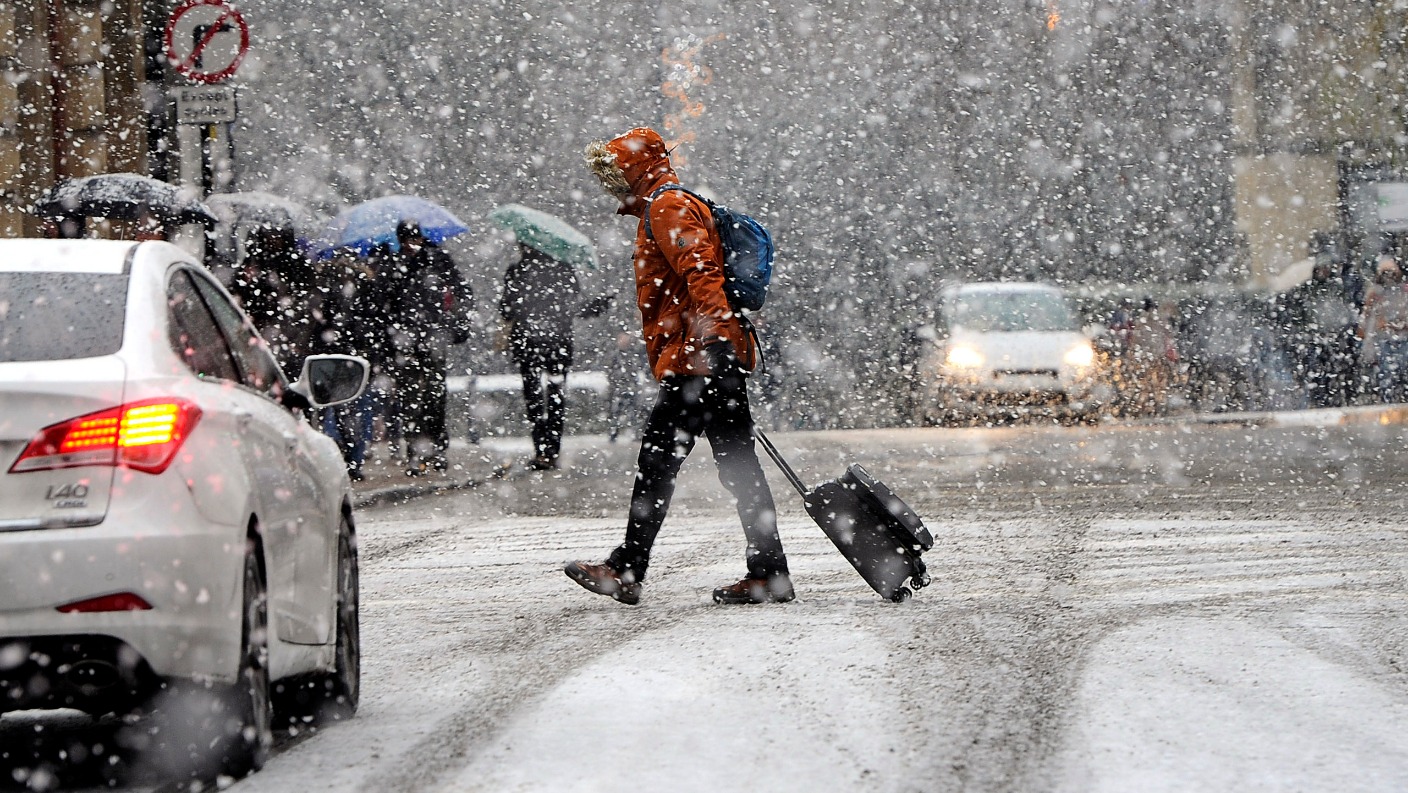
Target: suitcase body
875	530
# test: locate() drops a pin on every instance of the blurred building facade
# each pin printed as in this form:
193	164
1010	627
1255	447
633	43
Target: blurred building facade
71	83
1320	123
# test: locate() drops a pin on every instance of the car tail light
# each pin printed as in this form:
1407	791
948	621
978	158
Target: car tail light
122	601
142	435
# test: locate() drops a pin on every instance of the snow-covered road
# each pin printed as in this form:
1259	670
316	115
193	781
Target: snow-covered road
1122	608
1172	608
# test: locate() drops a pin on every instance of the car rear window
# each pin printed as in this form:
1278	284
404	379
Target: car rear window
60	316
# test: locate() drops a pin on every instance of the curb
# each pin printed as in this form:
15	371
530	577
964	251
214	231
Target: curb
400	494
1384	415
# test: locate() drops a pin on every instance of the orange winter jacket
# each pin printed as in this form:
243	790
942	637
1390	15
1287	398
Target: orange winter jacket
679	273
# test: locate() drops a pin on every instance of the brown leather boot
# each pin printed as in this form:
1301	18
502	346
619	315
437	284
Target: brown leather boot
777	589
604	580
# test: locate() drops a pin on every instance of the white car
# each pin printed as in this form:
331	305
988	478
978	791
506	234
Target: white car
169	518
1005	348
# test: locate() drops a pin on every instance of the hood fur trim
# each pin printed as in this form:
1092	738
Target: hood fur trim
602	162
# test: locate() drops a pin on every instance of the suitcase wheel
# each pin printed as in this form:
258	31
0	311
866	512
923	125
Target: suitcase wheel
919	580
902	595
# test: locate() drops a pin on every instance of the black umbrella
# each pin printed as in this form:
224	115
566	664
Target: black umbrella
122	196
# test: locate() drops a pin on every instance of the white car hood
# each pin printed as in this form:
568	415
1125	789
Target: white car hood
1021	351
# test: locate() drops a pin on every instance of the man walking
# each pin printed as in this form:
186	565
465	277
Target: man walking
430	310
541	297
701	354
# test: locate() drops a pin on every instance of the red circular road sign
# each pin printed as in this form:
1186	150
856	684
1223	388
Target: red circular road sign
206	40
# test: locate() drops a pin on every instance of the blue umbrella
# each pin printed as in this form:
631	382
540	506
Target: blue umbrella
374	222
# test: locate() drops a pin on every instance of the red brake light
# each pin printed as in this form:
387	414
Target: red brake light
142	435
122	601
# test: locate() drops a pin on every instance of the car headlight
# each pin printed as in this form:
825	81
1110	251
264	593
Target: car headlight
961	356
1081	355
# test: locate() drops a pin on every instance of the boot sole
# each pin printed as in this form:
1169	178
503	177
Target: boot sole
617	593
732	600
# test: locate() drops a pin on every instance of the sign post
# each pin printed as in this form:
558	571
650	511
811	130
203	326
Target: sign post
205	41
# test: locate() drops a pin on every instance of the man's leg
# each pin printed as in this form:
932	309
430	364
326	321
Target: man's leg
729	427
554	420
532	373
436	428
666	441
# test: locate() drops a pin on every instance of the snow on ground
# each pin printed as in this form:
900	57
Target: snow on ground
720	697
1113	609
1222	704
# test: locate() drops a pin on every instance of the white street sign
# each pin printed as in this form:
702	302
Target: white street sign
206	104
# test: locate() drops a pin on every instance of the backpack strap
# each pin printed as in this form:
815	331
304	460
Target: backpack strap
649	234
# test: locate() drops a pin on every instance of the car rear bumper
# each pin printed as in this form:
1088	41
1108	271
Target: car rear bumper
158	548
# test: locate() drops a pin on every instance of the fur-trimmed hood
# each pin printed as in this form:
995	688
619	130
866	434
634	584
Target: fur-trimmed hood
630	166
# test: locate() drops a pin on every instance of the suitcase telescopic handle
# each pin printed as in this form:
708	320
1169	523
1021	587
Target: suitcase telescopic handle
776	456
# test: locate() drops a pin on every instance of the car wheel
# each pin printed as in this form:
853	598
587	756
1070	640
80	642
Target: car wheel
333	696
343	688
248	725
194	730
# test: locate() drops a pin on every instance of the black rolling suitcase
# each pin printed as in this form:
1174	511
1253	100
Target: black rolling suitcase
873	528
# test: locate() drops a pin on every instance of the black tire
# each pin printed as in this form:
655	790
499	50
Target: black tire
901	595
333	696
248	727
201	731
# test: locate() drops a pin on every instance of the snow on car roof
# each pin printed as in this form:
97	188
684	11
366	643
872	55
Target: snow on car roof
65	256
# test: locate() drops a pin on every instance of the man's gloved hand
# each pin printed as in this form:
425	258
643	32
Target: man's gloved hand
723	362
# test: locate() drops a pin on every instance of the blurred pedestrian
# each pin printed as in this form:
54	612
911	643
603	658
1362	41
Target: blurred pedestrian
275	283
1320	322
353	321
430	309
1152	358
701	354
541	297
1385	331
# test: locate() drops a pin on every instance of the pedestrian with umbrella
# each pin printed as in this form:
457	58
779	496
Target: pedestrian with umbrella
428	303
541	297
431	306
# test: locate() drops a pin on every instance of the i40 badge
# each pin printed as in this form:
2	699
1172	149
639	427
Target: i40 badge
70	496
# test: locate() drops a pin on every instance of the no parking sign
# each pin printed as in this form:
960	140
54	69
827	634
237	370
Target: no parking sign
206	40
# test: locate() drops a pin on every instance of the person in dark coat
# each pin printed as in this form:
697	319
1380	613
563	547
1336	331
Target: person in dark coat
1321	321
353	320
701	353
430	309
541	297
275	284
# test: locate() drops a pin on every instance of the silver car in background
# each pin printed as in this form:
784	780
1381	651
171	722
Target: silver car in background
170	521
1005	349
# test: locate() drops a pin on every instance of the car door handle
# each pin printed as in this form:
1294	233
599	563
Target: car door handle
290	441
242	418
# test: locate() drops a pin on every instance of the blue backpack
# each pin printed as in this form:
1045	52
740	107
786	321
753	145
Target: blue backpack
748	252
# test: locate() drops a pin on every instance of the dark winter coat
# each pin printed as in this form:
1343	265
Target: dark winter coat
541	298
353	311
275	285
429	302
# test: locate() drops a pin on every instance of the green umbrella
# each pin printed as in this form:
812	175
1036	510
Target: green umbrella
548	233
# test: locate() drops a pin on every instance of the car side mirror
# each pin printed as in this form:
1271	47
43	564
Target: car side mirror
329	380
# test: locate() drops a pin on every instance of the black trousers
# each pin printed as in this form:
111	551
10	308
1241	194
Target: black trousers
544	368
686	408
420	385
